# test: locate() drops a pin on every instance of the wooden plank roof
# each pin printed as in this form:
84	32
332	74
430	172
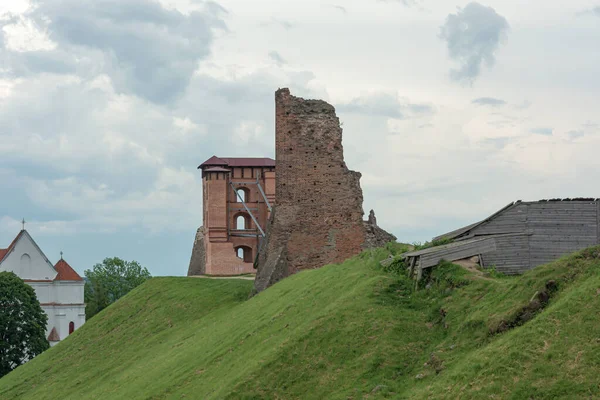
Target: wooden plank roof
443	247
459	232
457	250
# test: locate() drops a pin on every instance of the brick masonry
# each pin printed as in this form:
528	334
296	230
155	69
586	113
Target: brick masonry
318	218
318	212
219	239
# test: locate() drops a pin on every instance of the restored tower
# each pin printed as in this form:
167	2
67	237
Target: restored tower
238	195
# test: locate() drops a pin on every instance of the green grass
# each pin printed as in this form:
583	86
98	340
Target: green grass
349	331
433	243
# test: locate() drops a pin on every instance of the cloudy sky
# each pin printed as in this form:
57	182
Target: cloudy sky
450	110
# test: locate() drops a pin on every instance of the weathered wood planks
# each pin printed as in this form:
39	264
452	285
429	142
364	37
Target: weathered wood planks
550	230
465	250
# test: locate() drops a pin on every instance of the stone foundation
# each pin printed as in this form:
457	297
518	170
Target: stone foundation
217	259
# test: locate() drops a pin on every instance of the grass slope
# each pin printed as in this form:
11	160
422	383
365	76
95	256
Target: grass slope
348	331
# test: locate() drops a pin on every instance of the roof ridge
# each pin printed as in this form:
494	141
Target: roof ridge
458	232
11	246
65	272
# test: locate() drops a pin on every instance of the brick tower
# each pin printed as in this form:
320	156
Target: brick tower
238	194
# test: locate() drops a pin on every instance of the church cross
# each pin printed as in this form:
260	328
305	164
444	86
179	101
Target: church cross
23	222
61	253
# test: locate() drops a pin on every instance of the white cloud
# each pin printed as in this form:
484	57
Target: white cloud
277	58
248	131
24	35
387	104
185	125
146	49
489	101
542	131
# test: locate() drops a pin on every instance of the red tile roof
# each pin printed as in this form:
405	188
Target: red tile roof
214	160
53	336
250	162
238	162
4	252
217	169
65	272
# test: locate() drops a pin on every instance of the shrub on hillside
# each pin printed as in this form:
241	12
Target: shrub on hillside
22	323
109	281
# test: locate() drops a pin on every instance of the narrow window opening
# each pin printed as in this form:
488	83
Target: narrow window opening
241	222
242	195
244	253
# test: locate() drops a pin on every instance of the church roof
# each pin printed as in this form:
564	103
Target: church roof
238	162
53	336
66	272
4	252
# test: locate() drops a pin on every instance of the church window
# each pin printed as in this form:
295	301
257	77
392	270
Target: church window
25	261
71	327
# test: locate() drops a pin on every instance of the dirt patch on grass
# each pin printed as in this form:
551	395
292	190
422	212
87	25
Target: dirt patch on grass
472	265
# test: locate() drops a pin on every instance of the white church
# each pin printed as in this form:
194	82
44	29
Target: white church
59	288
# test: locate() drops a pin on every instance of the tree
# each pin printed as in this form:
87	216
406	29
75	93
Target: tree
22	323
109	281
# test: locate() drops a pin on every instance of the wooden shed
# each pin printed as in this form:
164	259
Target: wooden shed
528	234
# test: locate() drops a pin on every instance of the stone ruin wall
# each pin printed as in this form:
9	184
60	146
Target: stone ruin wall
198	260
318	217
375	236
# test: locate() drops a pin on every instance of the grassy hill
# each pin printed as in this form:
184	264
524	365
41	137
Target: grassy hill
349	331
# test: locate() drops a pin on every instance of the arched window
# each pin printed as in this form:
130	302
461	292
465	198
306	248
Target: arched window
245	253
25	262
71	327
243	194
242	222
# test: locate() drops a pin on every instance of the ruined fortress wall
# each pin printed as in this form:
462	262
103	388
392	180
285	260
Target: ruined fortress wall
318	217
198	260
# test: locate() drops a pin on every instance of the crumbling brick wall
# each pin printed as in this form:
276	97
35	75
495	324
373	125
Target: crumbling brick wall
198	259
318	216
375	236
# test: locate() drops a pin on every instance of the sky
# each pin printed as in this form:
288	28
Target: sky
450	110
